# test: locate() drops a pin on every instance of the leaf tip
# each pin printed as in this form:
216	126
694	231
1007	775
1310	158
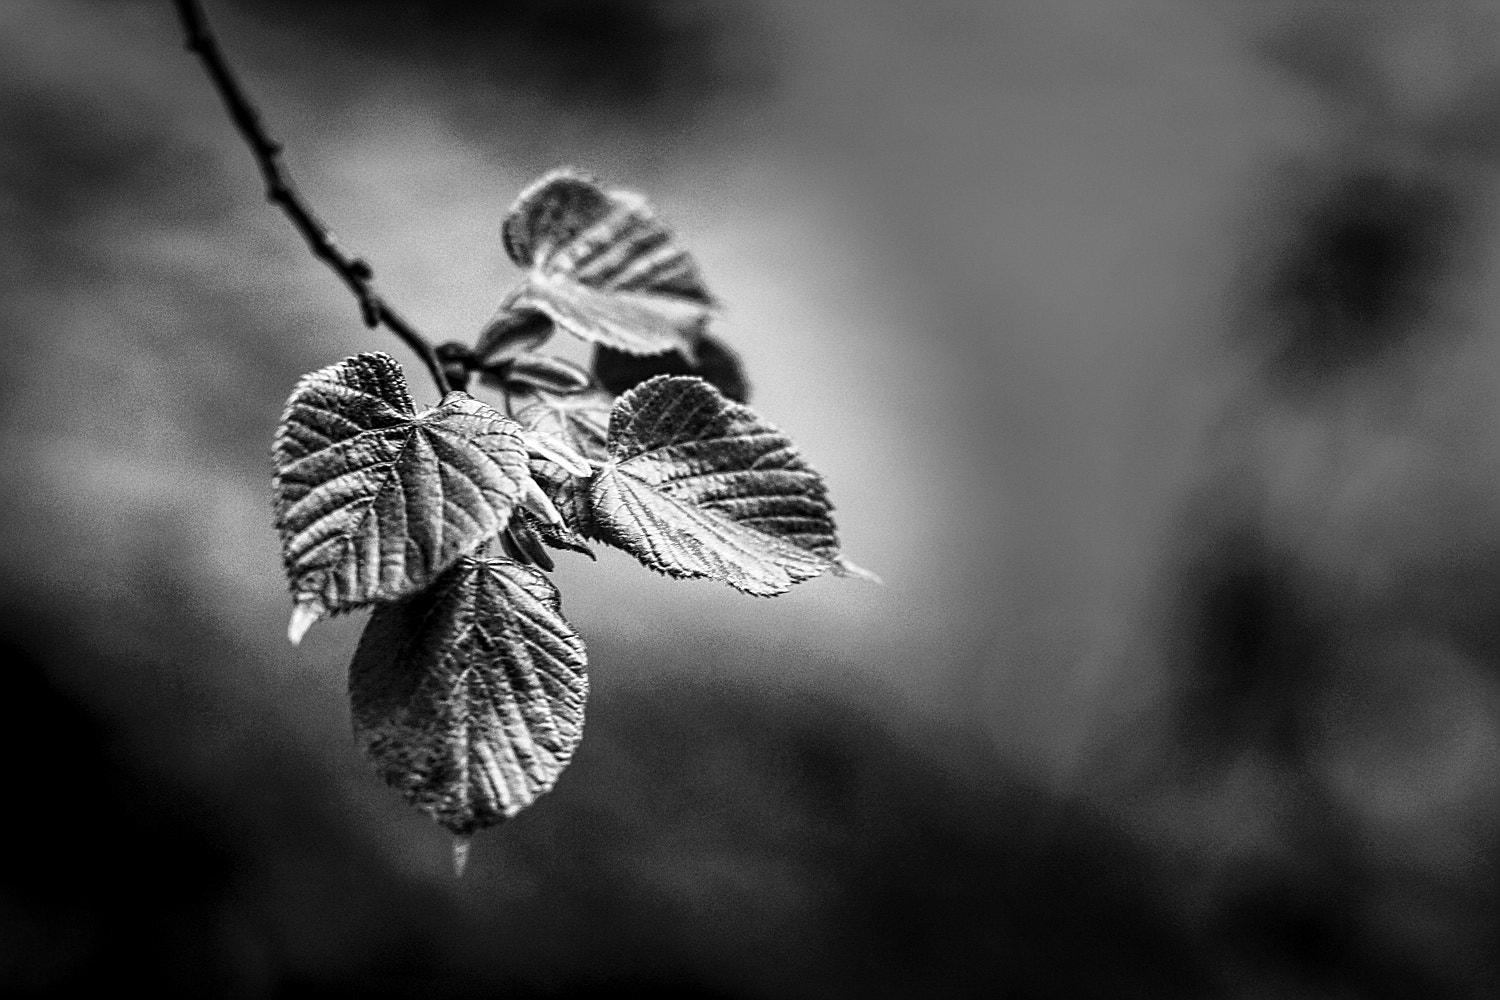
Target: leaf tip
460	856
303	616
848	568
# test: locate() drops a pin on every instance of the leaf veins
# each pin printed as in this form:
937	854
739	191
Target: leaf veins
603	267
469	697
699	486
375	501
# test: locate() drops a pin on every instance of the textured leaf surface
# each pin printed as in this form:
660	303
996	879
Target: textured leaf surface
470	697
570	495
716	364
581	421
603	267
699	486
375	501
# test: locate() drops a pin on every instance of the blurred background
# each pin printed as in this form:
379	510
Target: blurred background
1151	351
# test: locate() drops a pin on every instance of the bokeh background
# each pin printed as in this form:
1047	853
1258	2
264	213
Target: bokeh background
1151	351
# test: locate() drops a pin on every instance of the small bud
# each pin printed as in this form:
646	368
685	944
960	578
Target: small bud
456	375
460	856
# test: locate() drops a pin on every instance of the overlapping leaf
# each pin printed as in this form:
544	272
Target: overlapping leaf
699	486
603	267
375	501
470	696
580	421
570	496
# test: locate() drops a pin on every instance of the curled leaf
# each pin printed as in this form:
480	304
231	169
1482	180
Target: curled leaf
510	334
697	485
375	501
570	496
535	501
557	536
469	697
526	541
603	267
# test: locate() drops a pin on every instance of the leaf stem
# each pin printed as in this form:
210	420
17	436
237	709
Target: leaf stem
355	272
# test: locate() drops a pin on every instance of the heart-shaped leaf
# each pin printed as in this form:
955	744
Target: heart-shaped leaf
470	696
699	486
375	501
603	267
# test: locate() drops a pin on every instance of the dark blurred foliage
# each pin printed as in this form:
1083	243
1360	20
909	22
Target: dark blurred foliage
710	841
652	61
1370	251
716	363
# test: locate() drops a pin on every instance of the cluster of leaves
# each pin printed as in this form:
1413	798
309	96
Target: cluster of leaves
468	685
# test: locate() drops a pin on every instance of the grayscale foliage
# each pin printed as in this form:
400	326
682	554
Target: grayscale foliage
373	500
700	486
581	419
470	696
601	266
468	684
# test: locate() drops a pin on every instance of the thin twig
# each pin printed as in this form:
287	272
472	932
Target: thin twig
354	271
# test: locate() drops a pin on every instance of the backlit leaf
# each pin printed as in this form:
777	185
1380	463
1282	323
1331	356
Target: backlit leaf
603	267
700	486
469	697
581	421
375	501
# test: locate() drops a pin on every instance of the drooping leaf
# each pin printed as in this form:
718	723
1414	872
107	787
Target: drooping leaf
374	501
603	267
581	421
716	364
700	486
470	696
